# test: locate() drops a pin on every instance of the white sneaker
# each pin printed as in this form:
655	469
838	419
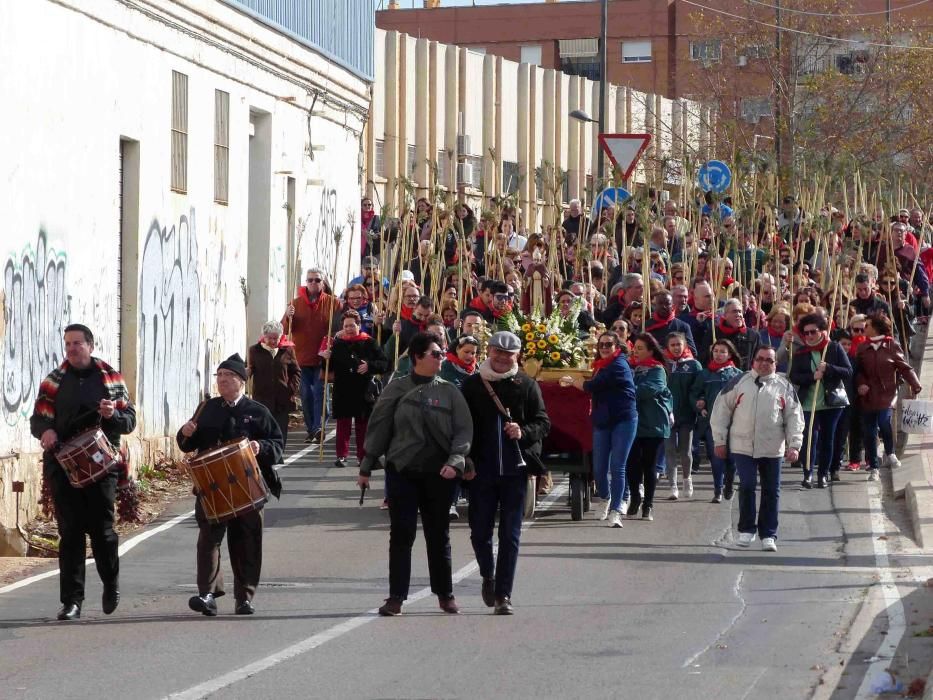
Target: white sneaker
615	519
675	493
688	486
603	511
768	545
641	491
623	509
892	461
453	514
873	475
745	539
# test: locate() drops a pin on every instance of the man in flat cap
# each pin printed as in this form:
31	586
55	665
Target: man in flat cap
509	423
231	416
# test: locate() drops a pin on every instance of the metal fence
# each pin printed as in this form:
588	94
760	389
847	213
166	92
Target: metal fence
342	30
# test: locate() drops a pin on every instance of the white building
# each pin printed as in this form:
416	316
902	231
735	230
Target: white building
161	161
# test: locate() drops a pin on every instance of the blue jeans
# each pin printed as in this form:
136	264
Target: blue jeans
505	496
764	519
824	436
610	452
312	397
872	422
723	469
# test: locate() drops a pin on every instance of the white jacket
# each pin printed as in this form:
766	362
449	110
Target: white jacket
758	416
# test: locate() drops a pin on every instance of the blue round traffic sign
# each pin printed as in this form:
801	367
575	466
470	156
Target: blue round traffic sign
714	176
610	197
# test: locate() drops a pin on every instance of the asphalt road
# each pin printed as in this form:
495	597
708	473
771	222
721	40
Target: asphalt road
665	609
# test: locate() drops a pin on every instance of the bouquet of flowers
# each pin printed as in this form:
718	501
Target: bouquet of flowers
552	341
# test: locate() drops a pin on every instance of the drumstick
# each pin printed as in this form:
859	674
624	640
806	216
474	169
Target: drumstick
200	408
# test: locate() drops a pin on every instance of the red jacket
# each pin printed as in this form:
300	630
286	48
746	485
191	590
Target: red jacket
879	370
309	325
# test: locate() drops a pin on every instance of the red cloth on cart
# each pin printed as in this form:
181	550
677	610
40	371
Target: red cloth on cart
569	411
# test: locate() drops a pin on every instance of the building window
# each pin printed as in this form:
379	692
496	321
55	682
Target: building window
179	132
755	108
636	51
510	177
531	54
411	161
706	50
758	51
380	158
221	146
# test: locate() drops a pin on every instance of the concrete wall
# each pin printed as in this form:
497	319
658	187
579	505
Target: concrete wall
517	110
163	286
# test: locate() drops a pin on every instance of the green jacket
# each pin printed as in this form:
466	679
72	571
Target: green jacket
683	375
654	401
419	427
707	386
453	374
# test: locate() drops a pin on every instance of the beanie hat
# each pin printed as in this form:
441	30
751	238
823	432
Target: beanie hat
235	364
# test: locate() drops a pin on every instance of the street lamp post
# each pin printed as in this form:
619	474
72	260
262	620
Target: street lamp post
583	116
603	68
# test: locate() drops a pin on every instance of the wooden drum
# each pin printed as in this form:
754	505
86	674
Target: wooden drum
227	480
87	457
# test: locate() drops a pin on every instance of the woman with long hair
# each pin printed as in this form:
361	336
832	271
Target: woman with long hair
654	407
722	367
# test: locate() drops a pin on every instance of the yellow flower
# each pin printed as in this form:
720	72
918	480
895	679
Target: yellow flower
542	344
526	327
530	347
553	339
529	336
541	328
555	356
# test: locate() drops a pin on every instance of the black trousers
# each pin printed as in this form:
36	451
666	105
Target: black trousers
505	496
642	466
428	494
244	542
81	512
281	417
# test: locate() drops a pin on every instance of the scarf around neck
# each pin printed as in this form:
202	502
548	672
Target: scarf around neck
647	363
728	330
358	338
660	321
490	375
815	348
468	367
603	362
714	366
687	354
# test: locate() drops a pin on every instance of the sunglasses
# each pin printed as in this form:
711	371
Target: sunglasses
314	280
606	345
503	297
858	329
412	298
436	354
811	332
887	283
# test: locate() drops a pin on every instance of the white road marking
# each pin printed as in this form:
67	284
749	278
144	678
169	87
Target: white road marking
214	685
894	608
143	536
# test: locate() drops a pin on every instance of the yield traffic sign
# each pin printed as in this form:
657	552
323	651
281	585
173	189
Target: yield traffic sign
624	150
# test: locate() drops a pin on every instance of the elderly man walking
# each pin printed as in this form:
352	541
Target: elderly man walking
757	419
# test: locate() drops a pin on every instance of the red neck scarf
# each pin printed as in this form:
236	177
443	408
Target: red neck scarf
303	293
728	330
366	217
647	362
358	338
815	348
714	366
726	281
697	312
857	340
660	321
685	355
603	362
478	304
406	312
469	368
499	314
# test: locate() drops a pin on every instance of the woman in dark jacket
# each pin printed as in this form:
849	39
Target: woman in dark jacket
655	407
273	367
354	359
825	362
880	363
615	420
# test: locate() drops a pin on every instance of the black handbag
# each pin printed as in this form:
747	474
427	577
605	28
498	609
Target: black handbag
373	390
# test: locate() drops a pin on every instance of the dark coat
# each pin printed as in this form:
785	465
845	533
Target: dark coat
276	380
219	423
674	326
880	370
746	342
522	397
838	372
613	392
350	386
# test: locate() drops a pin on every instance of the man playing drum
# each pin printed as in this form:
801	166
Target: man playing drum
82	393
219	420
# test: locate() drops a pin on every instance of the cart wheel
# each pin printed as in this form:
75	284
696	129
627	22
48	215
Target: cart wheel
531	498
577	487
587	494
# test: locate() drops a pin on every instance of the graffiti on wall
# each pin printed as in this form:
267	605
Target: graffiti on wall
169	325
36	307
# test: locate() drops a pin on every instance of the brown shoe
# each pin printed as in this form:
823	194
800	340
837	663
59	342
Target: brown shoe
448	604
503	606
392	607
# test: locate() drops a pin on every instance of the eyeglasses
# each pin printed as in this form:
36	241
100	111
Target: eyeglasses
502	297
608	345
887	283
413	297
858	329
765	360
436	354
314	280
367	205
812	331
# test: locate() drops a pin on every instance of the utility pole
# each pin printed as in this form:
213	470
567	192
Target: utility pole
603	68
